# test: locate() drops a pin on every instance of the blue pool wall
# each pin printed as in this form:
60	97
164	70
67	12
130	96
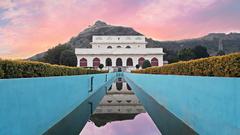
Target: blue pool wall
33	105
209	105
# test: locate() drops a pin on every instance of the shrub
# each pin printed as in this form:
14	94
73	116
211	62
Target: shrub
20	68
227	65
146	64
137	66
101	66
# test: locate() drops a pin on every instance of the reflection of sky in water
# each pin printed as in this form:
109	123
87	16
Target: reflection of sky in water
141	125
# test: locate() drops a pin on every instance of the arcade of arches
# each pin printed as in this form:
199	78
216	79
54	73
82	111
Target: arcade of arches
119	62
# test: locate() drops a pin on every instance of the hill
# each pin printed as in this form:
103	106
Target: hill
231	41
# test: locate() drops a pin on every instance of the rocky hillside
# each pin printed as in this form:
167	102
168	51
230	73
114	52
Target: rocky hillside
231	42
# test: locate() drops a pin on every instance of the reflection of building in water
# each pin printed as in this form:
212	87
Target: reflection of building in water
119	103
120	99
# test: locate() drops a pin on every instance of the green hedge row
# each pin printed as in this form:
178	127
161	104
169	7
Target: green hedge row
23	69
226	66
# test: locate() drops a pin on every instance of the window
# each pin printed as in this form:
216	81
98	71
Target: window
129	62
96	62
140	61
128	46
109	47
119	47
108	62
83	62
154	61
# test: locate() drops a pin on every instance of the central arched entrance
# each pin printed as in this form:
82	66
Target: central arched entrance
119	62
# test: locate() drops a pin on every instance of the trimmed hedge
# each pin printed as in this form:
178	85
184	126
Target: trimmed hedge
23	69
226	66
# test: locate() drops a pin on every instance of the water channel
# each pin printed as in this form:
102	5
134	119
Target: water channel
120	112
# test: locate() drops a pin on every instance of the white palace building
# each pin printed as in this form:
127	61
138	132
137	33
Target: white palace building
118	51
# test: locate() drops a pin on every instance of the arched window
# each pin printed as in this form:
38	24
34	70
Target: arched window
83	62
128	46
119	62
154	61
109	47
108	62
129	62
96	62
119	47
140	61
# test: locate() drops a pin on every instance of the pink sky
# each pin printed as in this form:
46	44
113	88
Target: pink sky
28	27
142	124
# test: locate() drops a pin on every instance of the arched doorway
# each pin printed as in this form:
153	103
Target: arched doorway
96	62
140	61
119	85
83	62
108	62
129	62
154	61
119	62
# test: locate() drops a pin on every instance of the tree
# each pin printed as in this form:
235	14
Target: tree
68	58
53	55
186	54
220	53
170	56
137	66
200	52
101	66
146	64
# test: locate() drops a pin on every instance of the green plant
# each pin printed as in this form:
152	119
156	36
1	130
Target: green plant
20	68
137	66
68	58
227	66
146	64
101	66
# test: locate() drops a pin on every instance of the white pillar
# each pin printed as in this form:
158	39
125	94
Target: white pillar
89	61
78	61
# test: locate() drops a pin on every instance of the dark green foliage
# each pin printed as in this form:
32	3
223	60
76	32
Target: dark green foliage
220	53
53	55
68	58
1	73
186	54
22	69
137	66
170	56
146	64
101	66
200	52
227	66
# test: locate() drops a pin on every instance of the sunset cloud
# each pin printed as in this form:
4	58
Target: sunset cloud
31	26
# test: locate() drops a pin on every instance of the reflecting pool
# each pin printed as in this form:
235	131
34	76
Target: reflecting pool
120	113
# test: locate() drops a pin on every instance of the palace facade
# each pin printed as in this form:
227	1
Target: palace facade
118	52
